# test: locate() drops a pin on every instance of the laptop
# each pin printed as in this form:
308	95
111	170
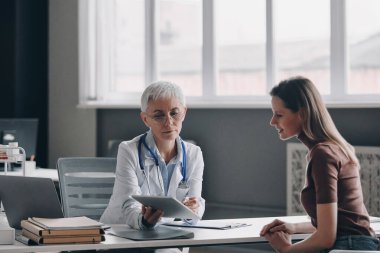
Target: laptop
25	197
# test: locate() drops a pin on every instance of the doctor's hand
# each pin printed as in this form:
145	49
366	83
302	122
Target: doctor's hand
192	203
151	216
276	226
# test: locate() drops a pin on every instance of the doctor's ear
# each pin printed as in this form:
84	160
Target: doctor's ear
184	113
144	117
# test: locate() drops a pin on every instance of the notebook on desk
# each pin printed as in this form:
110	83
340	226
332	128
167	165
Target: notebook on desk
25	197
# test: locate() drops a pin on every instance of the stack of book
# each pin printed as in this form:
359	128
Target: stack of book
62	230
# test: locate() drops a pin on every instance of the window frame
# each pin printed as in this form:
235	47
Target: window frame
95	63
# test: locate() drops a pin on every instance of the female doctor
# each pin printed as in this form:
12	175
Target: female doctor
156	163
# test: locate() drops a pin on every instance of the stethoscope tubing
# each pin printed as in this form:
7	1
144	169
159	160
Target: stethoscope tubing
139	151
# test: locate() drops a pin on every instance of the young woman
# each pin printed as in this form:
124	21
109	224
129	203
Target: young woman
332	195
156	163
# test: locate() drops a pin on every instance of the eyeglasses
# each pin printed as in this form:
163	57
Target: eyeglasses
161	118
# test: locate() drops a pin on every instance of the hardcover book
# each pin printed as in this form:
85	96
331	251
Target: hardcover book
61	230
37	230
62	239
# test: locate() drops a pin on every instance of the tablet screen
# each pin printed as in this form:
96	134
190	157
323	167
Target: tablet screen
169	205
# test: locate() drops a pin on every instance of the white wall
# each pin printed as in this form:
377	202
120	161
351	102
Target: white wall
72	131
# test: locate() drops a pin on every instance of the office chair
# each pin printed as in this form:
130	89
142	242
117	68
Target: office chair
113	147
86	185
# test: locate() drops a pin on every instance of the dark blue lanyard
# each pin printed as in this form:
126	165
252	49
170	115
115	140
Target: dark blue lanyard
143	142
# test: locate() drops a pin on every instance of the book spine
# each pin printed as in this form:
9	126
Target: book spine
71	232
68	232
31	236
56	240
31	227
61	239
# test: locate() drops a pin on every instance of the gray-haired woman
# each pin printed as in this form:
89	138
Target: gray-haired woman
157	163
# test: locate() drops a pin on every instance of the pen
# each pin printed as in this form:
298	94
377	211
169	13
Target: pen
238	225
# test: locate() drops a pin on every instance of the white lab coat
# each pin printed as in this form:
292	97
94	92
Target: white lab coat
130	180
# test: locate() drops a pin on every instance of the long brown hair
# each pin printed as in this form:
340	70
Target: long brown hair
299	93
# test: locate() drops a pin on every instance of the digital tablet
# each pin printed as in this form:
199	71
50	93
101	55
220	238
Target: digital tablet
170	206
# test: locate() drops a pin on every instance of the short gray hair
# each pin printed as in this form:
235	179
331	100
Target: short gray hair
161	89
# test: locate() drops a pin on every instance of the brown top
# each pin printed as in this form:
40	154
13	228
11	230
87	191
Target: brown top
331	178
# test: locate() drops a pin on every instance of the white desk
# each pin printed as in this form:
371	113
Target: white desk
202	237
38	172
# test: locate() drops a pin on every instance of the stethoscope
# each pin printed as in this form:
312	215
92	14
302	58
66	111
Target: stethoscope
183	184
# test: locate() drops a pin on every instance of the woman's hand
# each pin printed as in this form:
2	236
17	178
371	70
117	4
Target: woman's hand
278	225
191	203
151	216
279	241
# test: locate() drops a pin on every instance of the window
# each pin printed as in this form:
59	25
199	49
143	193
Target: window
363	26
128	47
303	41
228	53
240	42
180	44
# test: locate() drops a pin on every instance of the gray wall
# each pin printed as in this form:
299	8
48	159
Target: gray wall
245	162
72	131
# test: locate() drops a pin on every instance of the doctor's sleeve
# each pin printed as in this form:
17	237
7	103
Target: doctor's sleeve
126	184
195	178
